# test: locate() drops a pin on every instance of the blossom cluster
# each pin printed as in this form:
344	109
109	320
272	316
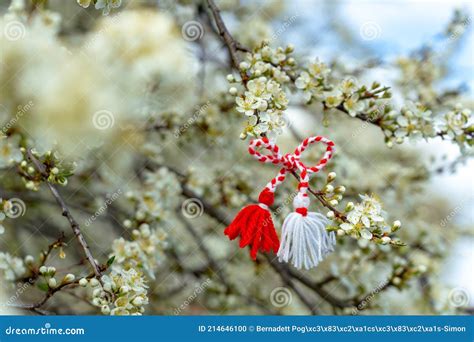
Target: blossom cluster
144	252
416	121
123	292
458	125
418	74
347	95
57	170
50	281
403	271
12	268
263	99
413	120
366	220
372	104
159	195
104	5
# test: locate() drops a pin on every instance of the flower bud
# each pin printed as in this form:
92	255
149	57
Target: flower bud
105	309
386	239
244	65
140	215
349	206
43	270
340	189
96	293
54	170
30	185
68	278
330	214
328	188
29	260
51	271
52	283
331	176
83	282
145	230
233	91
334	202
396	281
94	282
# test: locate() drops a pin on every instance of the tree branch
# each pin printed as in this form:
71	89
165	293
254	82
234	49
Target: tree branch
232	45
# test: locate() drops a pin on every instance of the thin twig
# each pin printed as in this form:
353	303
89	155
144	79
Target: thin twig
230	42
66	213
44	257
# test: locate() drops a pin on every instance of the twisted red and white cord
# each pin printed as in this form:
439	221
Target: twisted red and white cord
305	241
291	163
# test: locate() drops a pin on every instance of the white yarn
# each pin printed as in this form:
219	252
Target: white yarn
305	241
300	201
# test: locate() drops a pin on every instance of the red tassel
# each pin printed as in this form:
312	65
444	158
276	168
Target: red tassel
255	226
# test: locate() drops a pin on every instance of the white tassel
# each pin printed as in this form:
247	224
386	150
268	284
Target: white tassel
304	239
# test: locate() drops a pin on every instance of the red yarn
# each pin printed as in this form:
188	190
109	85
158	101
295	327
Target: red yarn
266	197
255	227
302	211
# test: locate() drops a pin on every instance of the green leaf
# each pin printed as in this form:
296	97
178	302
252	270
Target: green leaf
110	261
43	287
